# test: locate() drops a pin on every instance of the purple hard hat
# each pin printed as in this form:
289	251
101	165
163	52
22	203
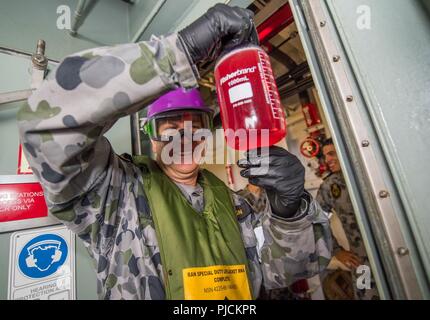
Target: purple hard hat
178	99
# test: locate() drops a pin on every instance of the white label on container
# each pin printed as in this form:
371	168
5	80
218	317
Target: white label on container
240	92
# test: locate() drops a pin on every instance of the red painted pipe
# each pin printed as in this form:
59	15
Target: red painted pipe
280	19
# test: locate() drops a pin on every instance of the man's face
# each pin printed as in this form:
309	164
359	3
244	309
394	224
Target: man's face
184	154
331	159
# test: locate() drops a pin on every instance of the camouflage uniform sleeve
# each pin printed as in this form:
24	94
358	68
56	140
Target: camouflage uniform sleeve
324	201
63	123
295	248
323	197
291	249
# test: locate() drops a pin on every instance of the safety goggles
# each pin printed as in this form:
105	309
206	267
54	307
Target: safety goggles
165	126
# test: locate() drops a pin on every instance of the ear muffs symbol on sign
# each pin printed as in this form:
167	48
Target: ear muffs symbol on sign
32	261
43	255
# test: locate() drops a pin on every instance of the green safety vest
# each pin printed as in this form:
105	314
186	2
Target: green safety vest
203	255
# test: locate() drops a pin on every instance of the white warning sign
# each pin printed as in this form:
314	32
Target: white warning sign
42	265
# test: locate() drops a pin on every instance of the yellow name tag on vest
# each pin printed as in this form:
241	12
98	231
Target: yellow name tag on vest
216	283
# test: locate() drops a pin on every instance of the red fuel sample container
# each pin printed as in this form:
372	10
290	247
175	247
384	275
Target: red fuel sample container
251	111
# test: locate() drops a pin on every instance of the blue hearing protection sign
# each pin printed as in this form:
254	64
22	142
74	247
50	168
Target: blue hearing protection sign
41	264
42	256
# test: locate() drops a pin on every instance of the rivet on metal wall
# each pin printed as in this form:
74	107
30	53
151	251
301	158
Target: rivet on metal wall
336	58
322	24
349	98
365	143
383	194
402	251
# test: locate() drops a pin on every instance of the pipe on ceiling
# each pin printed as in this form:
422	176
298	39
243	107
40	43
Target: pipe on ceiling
297	88
148	20
79	14
275	23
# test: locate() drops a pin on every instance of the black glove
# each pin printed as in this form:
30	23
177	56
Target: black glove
221	27
280	173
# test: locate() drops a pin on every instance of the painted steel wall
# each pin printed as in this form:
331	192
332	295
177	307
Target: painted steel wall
391	62
23	22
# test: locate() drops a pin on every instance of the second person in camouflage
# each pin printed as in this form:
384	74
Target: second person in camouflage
333	195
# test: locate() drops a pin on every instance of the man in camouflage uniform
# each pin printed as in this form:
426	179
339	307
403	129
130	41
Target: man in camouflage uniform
333	196
103	197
